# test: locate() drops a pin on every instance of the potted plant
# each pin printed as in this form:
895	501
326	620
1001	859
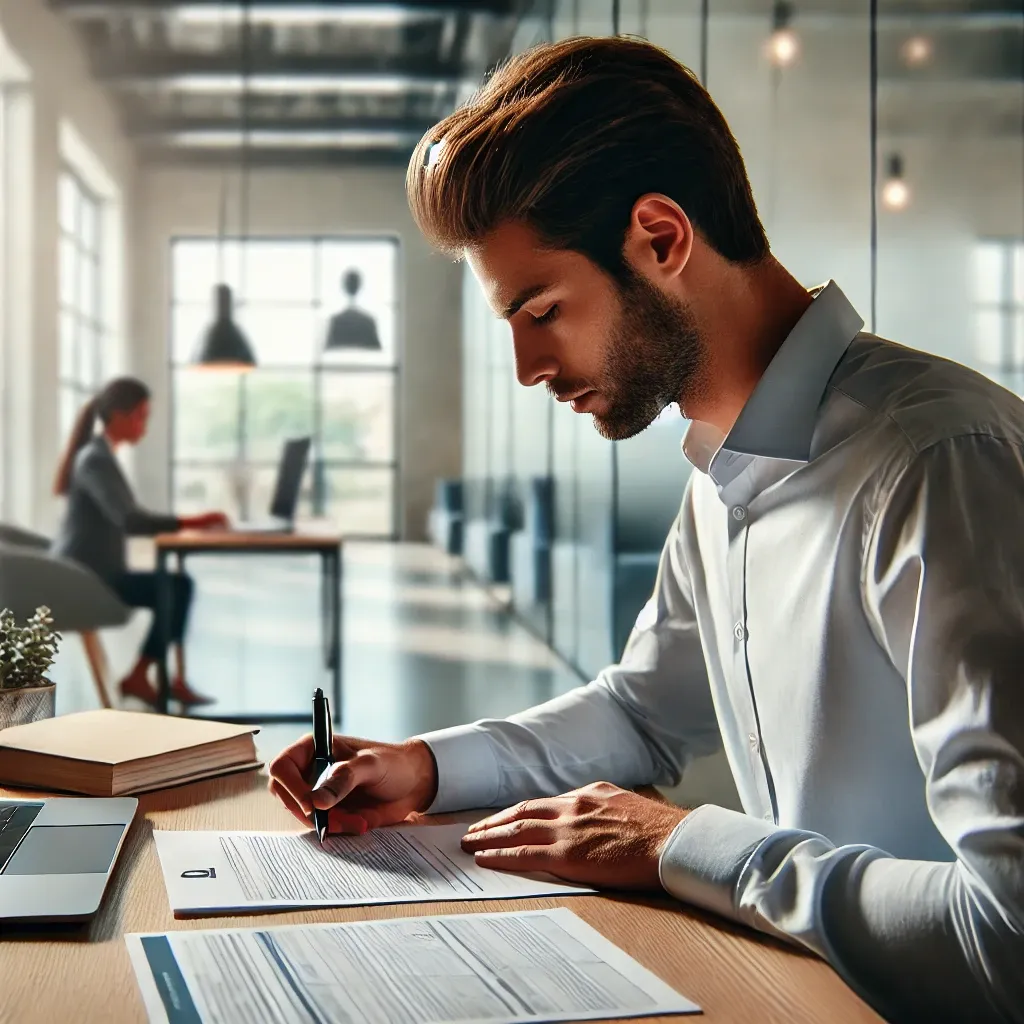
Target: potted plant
26	654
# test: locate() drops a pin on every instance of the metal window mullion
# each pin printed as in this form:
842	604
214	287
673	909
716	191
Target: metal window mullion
98	333
1010	360
319	477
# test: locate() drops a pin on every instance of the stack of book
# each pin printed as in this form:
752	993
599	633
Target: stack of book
118	753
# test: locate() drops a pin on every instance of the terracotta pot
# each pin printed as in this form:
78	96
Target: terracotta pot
27	704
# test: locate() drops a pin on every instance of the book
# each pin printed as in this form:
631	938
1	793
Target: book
118	753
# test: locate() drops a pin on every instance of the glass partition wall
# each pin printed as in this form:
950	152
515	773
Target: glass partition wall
885	143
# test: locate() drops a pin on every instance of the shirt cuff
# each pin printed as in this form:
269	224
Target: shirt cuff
467	770
703	860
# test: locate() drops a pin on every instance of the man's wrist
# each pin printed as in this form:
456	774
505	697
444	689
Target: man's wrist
674	817
427	772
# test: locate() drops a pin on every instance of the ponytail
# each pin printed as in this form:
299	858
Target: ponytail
81	433
122	394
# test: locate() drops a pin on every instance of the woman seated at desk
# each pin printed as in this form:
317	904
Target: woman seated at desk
102	513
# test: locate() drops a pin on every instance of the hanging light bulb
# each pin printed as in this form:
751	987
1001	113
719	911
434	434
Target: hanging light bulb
895	191
916	50
783	45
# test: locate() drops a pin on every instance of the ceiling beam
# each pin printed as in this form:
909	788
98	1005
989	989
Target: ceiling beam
274	10
290	84
150	65
164	155
141	127
284	136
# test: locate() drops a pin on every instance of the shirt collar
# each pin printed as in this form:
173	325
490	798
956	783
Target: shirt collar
778	419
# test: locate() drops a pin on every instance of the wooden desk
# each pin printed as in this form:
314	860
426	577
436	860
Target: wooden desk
311	539
85	975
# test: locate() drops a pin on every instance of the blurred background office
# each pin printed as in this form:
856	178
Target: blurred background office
500	548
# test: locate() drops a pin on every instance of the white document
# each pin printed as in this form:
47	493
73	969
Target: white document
544	965
217	872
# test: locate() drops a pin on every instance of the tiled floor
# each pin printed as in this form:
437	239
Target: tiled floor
423	648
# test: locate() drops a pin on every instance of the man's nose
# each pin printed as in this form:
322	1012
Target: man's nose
534	368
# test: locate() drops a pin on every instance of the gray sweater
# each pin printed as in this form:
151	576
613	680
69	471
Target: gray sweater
102	513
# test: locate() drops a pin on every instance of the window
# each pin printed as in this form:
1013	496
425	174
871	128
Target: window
82	331
999	309
228	428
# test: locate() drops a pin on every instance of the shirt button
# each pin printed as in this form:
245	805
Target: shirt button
769	816
739	513
739	631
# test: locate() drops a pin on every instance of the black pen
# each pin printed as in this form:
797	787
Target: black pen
323	746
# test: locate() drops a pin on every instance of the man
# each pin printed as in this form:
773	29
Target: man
838	600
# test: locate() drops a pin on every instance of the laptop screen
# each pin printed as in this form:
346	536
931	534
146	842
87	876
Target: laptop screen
289	478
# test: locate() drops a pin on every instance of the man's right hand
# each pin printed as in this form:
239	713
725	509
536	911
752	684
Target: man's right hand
369	785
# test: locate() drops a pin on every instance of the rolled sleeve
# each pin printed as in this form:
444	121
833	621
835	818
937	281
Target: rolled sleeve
467	769
704	858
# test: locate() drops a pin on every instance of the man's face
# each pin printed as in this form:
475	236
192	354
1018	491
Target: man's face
621	351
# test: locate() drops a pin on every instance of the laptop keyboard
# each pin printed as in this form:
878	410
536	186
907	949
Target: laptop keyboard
15	821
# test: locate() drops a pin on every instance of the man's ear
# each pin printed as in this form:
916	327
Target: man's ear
659	238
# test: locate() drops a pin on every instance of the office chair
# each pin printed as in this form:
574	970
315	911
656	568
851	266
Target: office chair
78	599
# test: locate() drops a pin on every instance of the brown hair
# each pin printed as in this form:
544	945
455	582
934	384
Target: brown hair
567	136
123	394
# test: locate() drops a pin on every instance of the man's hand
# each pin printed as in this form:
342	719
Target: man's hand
599	835
369	785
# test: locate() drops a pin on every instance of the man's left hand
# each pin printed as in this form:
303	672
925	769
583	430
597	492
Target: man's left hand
599	835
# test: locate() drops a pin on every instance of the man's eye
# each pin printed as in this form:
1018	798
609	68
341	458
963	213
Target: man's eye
547	317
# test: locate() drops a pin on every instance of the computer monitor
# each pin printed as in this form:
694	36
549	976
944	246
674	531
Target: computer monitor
290	471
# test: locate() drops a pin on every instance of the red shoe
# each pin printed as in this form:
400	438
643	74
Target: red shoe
139	689
184	694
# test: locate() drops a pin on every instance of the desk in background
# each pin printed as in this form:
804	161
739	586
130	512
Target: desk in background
85	976
304	540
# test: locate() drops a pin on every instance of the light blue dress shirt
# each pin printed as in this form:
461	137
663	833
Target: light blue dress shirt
841	604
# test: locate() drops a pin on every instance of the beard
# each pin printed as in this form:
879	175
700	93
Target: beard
656	356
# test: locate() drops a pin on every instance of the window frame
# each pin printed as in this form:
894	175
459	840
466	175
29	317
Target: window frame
1007	307
317	371
74	383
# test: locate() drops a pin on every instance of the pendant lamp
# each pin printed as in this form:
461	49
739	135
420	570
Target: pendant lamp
225	346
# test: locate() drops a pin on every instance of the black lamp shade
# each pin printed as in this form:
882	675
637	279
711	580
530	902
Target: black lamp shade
225	346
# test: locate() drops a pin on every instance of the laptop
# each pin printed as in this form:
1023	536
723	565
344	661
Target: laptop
285	501
56	856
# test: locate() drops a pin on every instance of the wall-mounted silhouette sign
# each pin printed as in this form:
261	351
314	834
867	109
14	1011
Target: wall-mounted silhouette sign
352	328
